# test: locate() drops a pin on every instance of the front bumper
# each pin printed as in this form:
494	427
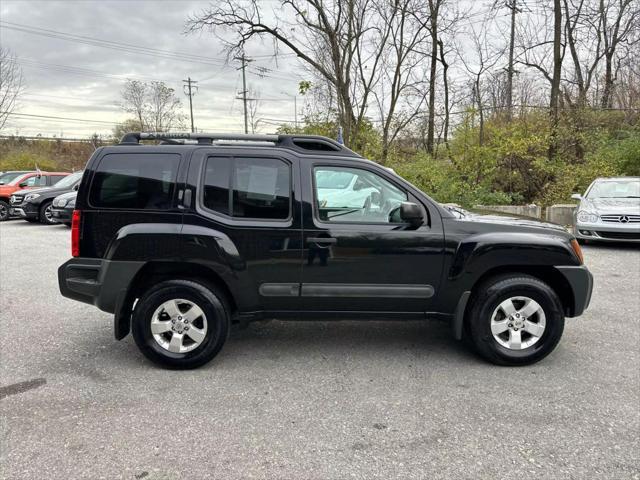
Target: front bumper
25	210
62	215
608	231
580	280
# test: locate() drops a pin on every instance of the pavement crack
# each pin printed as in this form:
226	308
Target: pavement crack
21	387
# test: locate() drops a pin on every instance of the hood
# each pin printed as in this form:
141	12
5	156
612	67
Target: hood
68	195
27	191
46	191
498	218
611	205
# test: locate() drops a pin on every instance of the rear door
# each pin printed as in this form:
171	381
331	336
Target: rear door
359	255
245	223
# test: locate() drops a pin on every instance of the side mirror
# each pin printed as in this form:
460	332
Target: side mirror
411	214
576	196
76	187
23	184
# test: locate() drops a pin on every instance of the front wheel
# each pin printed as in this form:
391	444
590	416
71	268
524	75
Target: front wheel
515	320
46	215
4	211
181	324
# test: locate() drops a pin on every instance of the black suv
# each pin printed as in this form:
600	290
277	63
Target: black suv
182	238
36	205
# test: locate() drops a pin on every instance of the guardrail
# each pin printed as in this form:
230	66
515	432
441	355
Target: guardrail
562	214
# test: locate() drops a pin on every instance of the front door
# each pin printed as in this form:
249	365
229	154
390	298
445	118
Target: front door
358	254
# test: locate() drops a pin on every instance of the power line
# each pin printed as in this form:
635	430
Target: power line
120	46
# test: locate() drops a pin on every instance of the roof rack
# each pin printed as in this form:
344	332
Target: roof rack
301	143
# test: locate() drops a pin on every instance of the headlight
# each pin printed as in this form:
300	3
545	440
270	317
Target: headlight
71	203
587	217
31	196
60	202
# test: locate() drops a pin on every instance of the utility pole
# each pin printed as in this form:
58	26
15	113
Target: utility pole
244	61
511	4
190	92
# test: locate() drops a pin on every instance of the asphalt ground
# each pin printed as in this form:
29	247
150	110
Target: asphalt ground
310	400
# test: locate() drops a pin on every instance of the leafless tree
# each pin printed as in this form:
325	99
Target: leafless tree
164	111
485	58
11	84
342	43
400	94
154	105
253	105
620	25
134	100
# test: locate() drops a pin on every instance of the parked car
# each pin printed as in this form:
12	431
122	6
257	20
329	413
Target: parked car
6	177
36	205
179	240
62	207
26	180
609	210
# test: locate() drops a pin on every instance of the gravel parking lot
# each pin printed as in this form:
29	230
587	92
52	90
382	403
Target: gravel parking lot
297	400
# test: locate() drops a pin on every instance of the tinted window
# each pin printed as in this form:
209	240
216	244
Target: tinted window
216	184
261	187
139	181
354	195
34	181
56	178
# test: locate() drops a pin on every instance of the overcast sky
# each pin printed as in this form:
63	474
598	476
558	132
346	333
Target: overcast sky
79	81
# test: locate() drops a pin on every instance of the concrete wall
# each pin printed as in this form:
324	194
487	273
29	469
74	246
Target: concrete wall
561	214
524	210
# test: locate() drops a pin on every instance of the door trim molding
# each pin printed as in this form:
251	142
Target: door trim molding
377	290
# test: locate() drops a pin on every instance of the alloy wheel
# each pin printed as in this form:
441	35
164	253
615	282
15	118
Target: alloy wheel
518	323
179	326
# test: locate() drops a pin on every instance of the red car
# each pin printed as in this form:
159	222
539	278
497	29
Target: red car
10	182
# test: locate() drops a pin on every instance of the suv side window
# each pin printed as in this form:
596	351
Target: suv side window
354	195
248	187
56	178
35	181
135	181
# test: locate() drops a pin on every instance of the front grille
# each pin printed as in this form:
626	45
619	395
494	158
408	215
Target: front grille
16	200
620	235
620	218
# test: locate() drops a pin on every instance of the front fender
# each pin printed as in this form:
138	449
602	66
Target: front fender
478	254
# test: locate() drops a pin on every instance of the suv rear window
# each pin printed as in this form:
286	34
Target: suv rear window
260	187
138	181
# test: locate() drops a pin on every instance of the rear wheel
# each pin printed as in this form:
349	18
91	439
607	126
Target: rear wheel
46	216
181	324
4	210
515	320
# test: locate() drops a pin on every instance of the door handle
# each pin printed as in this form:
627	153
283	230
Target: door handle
322	240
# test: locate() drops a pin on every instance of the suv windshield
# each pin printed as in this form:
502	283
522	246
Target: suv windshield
5	178
69	180
615	189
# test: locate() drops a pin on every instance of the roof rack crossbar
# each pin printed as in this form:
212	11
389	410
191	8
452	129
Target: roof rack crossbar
304	143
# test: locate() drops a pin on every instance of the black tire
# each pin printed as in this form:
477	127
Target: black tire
212	302
4	210
42	216
32	220
486	299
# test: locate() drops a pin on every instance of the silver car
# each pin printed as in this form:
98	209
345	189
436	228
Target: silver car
609	210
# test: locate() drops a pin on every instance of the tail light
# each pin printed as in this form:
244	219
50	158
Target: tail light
75	233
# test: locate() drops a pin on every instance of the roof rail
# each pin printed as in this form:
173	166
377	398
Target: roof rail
301	143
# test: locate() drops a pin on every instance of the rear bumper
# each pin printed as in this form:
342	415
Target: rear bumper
103	283
580	280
